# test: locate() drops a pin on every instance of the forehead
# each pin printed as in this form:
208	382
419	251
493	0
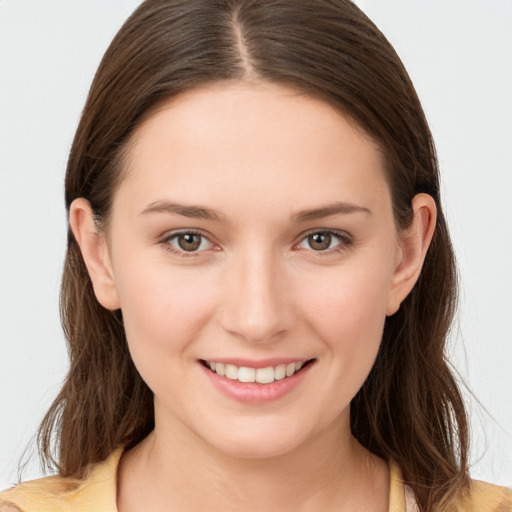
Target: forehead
251	142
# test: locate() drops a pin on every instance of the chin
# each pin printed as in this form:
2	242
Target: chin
258	439
257	448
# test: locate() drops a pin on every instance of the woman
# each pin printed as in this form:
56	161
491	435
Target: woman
259	280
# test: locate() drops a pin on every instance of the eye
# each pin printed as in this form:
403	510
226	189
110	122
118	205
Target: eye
188	241
323	241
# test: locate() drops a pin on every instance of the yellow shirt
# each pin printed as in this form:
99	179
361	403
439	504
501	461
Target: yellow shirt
97	493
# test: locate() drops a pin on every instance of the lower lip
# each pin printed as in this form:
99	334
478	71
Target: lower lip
253	393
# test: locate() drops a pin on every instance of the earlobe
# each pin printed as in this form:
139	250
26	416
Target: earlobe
414	244
93	246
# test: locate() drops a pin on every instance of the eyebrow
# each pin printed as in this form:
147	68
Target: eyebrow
200	212
195	212
328	210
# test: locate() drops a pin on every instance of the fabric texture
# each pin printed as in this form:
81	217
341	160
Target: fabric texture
97	493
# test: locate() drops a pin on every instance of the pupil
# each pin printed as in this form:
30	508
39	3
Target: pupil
320	241
189	242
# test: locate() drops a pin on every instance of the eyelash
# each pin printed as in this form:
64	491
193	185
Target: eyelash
345	241
166	242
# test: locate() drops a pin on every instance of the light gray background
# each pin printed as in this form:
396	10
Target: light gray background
459	55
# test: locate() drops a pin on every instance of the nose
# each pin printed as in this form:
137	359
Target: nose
257	303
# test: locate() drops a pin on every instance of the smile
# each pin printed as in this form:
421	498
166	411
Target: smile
265	375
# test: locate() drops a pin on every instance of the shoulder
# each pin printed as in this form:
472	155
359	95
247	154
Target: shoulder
62	494
482	497
50	493
485	497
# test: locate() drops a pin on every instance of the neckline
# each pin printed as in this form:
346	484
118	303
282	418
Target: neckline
107	473
99	488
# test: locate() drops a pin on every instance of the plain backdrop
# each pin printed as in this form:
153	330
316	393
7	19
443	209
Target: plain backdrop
458	53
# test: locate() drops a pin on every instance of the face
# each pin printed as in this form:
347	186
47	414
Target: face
253	234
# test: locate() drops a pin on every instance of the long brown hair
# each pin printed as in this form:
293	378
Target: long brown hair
410	408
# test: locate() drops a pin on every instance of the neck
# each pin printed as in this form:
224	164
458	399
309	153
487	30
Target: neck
182	472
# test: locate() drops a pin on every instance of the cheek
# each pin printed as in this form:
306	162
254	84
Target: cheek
352	298
163	310
347	311
164	313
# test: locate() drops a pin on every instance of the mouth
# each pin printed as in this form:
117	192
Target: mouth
248	374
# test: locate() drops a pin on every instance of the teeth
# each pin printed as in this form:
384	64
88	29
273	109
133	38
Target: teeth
280	372
260	375
265	375
231	372
290	369
246	374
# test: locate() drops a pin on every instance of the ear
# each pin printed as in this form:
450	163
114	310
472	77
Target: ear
414	243
93	246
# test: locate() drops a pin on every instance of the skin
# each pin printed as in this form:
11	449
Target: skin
257	155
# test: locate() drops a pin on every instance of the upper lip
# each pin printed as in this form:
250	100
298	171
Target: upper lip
257	363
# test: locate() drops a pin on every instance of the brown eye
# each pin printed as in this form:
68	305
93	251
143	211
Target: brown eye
319	241
188	242
325	241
